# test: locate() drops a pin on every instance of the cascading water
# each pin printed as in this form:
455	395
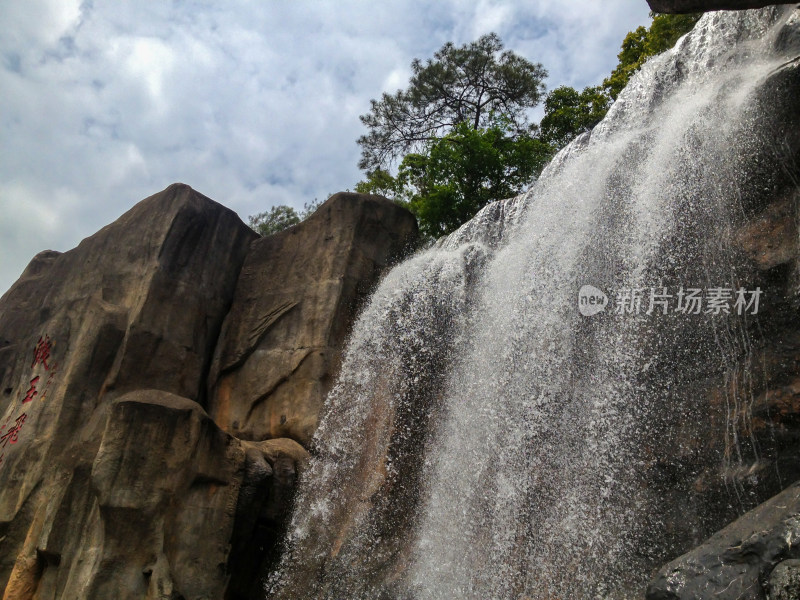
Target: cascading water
487	440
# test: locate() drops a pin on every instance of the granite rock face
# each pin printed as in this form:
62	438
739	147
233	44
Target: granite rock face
137	305
784	581
295	300
114	480
690	6
149	291
166	479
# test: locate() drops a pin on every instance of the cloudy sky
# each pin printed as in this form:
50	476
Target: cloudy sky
251	102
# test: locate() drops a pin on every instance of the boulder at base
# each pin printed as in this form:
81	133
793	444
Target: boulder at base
753	554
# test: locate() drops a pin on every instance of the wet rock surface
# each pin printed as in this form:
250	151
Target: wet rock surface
743	560
784	581
689	6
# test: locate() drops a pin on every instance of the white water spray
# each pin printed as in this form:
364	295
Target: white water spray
486	440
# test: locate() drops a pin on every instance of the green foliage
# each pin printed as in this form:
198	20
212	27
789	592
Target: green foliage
281	217
465	84
568	113
309	208
274	220
666	30
462	128
639	45
463	171
379	182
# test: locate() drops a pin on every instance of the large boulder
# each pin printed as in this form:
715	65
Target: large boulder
295	301
753	555
162	504
154	515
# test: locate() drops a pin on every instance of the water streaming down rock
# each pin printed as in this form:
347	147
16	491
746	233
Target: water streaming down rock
484	439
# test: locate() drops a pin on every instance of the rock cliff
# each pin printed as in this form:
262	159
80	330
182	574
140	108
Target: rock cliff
114	479
690	6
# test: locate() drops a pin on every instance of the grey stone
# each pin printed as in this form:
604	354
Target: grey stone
733	563
784	581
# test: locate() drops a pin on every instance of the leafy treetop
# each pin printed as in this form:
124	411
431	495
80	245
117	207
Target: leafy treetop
280	217
465	84
460	173
568	113
641	44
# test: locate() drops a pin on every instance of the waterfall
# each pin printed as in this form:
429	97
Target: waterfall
487	440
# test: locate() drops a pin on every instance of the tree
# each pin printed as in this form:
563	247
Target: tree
309	208
463	171
639	45
379	182
281	217
274	220
568	113
466	84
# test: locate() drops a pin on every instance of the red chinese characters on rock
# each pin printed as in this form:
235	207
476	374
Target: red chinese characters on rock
31	393
10	433
41	355
42	352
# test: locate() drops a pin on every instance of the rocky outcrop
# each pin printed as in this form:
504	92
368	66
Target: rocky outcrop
114	480
295	300
690	6
137	305
784	581
164	479
148	293
755	554
265	501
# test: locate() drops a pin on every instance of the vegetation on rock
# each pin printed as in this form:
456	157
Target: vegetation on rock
461	172
280	217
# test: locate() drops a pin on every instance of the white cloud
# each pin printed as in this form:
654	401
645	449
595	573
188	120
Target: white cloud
252	103
39	23
490	16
